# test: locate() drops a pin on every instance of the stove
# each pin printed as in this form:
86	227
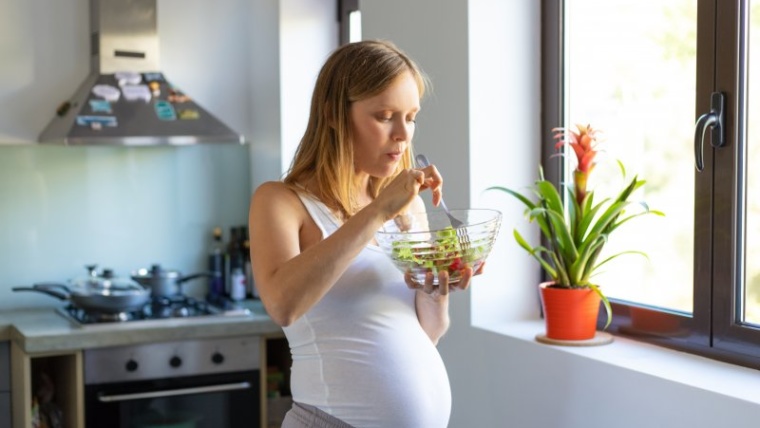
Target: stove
205	383
158	309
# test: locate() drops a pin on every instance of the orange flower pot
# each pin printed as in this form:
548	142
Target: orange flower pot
569	314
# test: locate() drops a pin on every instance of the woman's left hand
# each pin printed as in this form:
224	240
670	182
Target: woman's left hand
432	301
443	287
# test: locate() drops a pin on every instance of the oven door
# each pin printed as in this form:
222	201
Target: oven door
222	400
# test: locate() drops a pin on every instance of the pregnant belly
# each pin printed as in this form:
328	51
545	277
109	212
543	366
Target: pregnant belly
399	383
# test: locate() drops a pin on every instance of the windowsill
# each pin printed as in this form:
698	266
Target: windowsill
675	366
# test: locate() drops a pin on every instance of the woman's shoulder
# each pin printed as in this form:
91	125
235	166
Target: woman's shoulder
275	192
277	188
272	186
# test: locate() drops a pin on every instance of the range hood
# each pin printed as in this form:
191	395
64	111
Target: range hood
126	99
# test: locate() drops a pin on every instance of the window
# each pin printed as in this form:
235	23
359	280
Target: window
350	21
644	72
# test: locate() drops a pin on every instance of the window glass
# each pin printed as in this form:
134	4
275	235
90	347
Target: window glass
355	26
752	231
631	73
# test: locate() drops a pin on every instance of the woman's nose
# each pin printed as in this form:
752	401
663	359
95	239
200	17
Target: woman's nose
403	130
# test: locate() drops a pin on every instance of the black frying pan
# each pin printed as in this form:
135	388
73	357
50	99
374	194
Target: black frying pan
101	300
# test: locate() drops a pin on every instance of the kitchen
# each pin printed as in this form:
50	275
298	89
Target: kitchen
64	207
125	208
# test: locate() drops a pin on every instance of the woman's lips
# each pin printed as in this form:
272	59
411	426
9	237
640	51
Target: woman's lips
395	156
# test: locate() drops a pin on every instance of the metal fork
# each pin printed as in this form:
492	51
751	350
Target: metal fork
462	236
422	161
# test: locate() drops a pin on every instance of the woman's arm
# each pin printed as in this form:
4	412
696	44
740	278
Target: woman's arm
432	303
433	313
289	280
291	275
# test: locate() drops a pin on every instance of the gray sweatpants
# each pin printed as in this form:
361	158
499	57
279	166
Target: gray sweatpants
305	416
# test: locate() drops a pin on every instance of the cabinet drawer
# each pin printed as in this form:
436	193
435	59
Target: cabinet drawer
5	368
5	410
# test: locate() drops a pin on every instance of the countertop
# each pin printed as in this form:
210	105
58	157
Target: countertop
45	330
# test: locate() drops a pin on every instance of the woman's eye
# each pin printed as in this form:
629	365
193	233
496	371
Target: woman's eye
389	118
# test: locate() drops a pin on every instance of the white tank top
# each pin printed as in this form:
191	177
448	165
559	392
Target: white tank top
360	353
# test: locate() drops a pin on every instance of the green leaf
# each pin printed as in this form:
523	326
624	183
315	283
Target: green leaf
562	237
535	252
622	167
606	302
614	256
583	267
550	196
527	202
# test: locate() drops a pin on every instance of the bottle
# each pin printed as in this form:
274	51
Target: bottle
237	284
216	267
251	291
234	258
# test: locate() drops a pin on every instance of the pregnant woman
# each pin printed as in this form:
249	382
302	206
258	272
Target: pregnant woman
362	335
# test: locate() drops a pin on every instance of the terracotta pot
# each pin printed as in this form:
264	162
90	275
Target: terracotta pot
569	314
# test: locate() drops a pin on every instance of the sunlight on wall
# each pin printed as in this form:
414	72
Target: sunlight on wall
504	150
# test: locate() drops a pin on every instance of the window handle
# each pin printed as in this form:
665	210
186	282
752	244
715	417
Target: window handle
712	119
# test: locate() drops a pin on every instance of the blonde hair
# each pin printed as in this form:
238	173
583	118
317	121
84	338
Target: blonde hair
353	72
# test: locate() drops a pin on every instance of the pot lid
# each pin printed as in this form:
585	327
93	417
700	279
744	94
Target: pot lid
106	283
156	271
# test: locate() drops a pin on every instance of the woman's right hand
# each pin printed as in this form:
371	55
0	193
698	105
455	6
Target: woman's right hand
405	187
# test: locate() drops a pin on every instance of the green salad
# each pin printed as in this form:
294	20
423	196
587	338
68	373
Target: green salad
445	253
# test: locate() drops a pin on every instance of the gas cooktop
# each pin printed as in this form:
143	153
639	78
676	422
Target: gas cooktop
160	309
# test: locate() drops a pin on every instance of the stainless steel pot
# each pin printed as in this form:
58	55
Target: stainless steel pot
106	294
164	282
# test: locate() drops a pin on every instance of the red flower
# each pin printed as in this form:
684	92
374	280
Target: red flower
583	142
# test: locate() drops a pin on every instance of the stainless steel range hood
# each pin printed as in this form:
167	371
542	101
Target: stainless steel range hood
126	100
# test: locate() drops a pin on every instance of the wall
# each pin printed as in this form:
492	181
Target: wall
124	208
482	128
292	39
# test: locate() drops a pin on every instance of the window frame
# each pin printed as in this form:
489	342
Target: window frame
714	328
345	9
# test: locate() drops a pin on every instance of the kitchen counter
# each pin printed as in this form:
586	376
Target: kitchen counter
39	331
5	328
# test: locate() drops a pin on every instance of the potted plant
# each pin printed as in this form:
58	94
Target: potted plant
575	230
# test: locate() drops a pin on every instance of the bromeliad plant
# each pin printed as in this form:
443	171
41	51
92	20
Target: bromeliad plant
576	229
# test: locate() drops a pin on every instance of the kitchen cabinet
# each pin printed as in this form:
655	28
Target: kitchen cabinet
5	386
60	371
49	343
275	380
5	410
65	371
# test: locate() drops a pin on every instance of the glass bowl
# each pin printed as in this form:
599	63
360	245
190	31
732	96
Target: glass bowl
423	242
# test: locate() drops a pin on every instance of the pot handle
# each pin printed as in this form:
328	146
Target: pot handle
52	286
44	290
195	275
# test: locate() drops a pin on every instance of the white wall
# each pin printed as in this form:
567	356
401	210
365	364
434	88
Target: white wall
290	39
482	128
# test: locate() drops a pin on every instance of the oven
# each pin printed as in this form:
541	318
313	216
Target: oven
208	383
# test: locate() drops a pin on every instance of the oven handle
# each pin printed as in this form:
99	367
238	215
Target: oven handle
174	392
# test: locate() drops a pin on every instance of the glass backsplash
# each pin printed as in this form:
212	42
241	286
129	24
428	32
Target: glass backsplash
124	208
